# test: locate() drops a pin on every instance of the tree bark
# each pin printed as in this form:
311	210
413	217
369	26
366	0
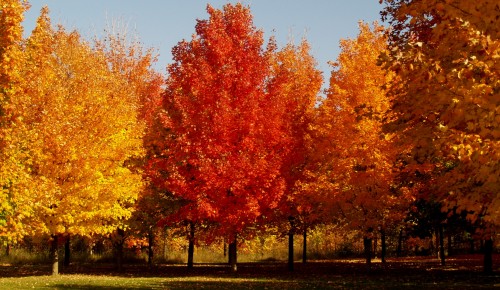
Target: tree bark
233	252
304	247
67	252
151	239
225	249
441	246
54	255
383	246
120	240
165	234
191	245
290	250
488	256
7	250
367	242
400	243
449	243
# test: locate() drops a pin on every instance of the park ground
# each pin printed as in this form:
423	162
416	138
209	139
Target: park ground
463	272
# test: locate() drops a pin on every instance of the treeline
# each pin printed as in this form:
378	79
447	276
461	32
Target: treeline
236	140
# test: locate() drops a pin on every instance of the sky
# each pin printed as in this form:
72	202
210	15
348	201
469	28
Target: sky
161	24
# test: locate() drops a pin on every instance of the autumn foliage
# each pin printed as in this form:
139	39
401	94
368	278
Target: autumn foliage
226	129
235	140
446	102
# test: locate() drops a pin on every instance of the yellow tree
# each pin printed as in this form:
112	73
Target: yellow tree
78	128
359	156
128	59
11	16
446	104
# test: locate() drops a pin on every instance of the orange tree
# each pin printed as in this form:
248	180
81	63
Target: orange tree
356	158
76	123
227	137
446	104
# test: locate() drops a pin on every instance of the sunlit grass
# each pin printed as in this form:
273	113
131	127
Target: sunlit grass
112	282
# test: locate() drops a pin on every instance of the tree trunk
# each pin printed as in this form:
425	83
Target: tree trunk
191	246
441	246
225	249
488	256
120	240
67	252
7	250
304	247
449	243
233	252
54	255
290	250
375	245
471	250
165	234
400	243
367	242
383	246
151	239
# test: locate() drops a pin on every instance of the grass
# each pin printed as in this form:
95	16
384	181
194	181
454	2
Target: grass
460	273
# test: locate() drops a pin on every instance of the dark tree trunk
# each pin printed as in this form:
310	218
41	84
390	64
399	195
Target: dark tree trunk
304	247
400	243
151	239
436	249
383	246
191	246
449	244
7	250
54	255
225	249
472	250
367	242
165	235
233	258
441	246
120	240
488	256
67	252
290	250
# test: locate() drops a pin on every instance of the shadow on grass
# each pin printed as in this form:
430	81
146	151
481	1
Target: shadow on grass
459	273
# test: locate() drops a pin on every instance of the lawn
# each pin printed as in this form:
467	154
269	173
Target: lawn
463	273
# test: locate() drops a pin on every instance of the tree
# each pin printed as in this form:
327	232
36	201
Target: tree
11	58
446	100
297	82
77	127
226	131
360	158
128	59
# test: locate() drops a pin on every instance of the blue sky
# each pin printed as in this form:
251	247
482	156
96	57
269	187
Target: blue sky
163	23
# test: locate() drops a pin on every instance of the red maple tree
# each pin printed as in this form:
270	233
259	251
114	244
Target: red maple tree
226	137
